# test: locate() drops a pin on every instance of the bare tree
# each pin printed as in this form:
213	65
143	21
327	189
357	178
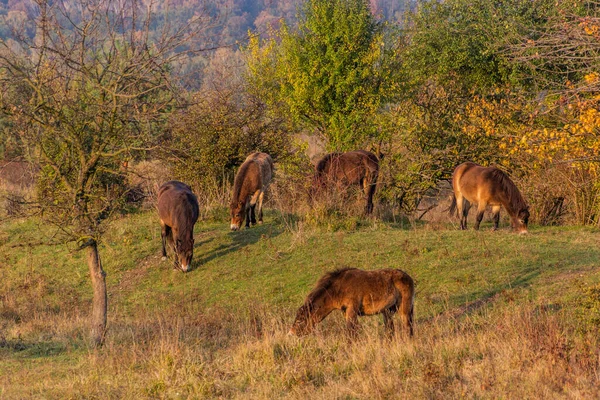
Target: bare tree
564	53
88	93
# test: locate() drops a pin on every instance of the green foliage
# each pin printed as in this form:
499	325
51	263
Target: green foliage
215	135
332	74
467	41
464	92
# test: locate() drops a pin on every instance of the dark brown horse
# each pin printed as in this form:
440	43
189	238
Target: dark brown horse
357	292
473	183
178	212
249	186
358	167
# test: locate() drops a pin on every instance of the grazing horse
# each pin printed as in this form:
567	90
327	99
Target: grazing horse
249	186
357	292
178	212
358	167
487	185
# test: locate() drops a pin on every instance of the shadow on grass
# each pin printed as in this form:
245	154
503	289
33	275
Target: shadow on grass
239	240
32	349
485	298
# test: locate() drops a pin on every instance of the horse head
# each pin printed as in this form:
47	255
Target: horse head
521	220
184	250
237	215
304	323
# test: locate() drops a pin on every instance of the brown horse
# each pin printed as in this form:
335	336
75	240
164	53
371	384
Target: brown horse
249	186
487	185
178	212
357	292
358	167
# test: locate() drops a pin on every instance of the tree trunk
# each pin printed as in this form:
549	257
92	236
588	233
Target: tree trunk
100	300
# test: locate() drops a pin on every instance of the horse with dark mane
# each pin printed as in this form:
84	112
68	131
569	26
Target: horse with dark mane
249	186
356	293
178	212
357	167
473	183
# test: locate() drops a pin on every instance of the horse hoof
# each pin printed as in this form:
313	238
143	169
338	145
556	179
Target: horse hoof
260	222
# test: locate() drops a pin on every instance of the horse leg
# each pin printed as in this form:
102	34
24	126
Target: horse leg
463	210
388	322
260	206
249	212
164	232
480	212
171	244
496	213
369	189
406	315
352	321
253	214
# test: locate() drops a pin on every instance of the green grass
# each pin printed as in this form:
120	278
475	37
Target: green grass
217	331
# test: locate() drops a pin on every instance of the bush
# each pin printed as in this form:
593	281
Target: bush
213	138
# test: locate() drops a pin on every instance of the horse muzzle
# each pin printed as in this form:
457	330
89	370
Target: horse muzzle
234	227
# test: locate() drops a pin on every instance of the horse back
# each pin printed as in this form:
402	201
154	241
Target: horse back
370	291
177	205
254	174
469	180
369	159
352	166
478	183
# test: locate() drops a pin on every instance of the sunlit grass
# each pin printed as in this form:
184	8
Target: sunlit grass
492	308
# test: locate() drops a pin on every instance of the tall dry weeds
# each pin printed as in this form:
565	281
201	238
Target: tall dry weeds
506	349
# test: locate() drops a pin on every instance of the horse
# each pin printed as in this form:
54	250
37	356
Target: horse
487	185
356	292
249	187
357	167
178	212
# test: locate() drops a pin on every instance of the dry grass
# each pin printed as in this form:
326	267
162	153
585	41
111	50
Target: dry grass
499	316
509	349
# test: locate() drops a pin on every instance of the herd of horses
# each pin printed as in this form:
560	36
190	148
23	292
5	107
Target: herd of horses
353	291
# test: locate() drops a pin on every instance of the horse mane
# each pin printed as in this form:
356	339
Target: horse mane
324	283
239	181
515	199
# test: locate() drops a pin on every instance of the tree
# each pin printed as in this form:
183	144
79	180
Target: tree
463	93
88	93
332	74
565	128
224	124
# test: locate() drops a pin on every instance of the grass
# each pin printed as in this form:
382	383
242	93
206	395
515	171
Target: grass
498	315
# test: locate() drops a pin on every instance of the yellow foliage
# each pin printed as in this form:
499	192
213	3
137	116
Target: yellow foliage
577	141
591	78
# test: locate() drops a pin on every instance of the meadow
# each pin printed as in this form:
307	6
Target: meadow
498	315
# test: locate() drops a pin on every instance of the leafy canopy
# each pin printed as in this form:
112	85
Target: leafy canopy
331	74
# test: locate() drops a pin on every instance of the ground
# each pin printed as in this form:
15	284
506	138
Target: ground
497	314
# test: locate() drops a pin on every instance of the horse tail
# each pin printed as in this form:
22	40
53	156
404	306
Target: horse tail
406	286
453	208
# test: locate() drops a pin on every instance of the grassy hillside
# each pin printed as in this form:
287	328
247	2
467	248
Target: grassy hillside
498	315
